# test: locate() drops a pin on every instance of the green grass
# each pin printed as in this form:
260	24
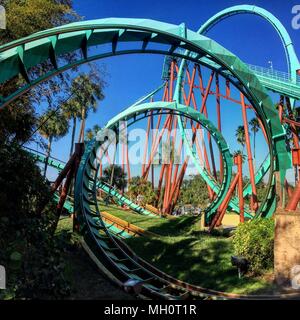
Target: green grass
184	251
130	216
200	259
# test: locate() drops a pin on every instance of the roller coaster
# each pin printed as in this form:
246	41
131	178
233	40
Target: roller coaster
197	72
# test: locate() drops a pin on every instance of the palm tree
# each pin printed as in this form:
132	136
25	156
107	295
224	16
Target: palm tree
53	125
239	152
86	90
92	133
89	134
115	176
235	154
72	109
96	128
240	137
254	124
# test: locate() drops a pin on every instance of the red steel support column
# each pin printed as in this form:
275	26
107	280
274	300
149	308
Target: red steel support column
219	120
63	173
227	88
294	133
191	84
127	162
154	140
178	184
203	109
222	209
280	108
293	201
204	100
239	162
161	175
152	167
146	144
171	81
155	147
249	152
65	190
294	129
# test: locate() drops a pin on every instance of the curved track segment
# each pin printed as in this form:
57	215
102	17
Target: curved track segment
286	84
124	265
292	59
58	164
92	224
138	112
17	57
113	227
292	89
113	257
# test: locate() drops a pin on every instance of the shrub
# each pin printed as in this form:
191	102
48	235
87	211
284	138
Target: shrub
254	240
30	253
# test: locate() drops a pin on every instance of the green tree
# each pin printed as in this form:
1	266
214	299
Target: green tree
115	176
87	91
32	259
239	152
140	186
24	17
240	136
92	133
53	125
188	194
254	240
71	111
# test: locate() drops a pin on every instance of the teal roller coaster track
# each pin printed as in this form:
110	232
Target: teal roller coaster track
99	39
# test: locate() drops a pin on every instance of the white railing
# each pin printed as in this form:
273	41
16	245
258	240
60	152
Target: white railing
271	73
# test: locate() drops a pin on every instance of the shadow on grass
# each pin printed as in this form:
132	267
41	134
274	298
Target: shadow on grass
175	227
203	261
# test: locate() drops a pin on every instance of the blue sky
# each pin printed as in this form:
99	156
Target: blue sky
130	77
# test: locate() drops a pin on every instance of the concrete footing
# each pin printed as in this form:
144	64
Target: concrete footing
287	249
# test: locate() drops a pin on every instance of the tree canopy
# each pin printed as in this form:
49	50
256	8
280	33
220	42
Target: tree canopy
115	176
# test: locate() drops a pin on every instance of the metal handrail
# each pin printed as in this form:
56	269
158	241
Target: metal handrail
271	73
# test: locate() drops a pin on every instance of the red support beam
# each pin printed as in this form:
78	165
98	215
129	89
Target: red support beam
155	147
293	127
227	89
222	209
238	160
218	107
280	108
63	173
171	80
204	100
254	205
294	200
191	84
146	144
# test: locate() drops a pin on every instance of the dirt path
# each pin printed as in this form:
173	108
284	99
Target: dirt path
87	281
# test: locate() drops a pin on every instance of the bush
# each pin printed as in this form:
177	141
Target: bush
29	252
254	240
